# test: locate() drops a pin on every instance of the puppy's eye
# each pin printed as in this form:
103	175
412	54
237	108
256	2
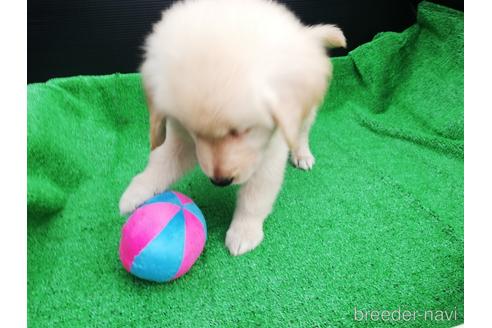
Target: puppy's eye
234	133
237	133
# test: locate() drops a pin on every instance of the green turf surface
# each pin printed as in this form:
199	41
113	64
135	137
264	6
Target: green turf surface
377	224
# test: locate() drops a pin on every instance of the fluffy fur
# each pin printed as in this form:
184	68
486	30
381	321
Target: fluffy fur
232	85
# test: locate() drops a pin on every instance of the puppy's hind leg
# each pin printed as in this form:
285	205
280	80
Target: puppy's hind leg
167	163
302	157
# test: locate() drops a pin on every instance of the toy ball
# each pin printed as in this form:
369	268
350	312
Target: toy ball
163	238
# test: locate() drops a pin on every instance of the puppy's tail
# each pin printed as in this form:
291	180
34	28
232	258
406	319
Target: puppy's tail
330	35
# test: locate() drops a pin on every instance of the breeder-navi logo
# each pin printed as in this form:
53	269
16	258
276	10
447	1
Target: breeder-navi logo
405	315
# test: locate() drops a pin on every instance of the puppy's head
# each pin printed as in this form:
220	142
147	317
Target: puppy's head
230	141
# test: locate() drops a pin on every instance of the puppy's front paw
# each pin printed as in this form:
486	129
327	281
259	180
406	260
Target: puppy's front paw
243	236
303	159
136	194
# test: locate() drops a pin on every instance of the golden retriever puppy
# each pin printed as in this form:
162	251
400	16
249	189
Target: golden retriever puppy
232	85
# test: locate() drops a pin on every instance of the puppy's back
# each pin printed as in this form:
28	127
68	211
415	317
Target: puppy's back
217	50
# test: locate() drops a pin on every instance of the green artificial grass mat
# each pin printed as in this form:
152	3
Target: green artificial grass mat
377	224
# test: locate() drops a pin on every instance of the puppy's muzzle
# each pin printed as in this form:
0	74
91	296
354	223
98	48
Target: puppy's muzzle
221	182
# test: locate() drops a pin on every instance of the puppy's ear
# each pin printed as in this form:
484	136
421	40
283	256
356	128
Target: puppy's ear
157	129
157	121
287	116
289	121
330	35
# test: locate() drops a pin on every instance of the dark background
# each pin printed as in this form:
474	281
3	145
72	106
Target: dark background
92	37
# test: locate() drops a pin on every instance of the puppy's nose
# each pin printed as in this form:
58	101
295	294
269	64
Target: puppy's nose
221	182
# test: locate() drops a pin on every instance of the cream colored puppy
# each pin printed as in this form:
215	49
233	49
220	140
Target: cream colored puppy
232	85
